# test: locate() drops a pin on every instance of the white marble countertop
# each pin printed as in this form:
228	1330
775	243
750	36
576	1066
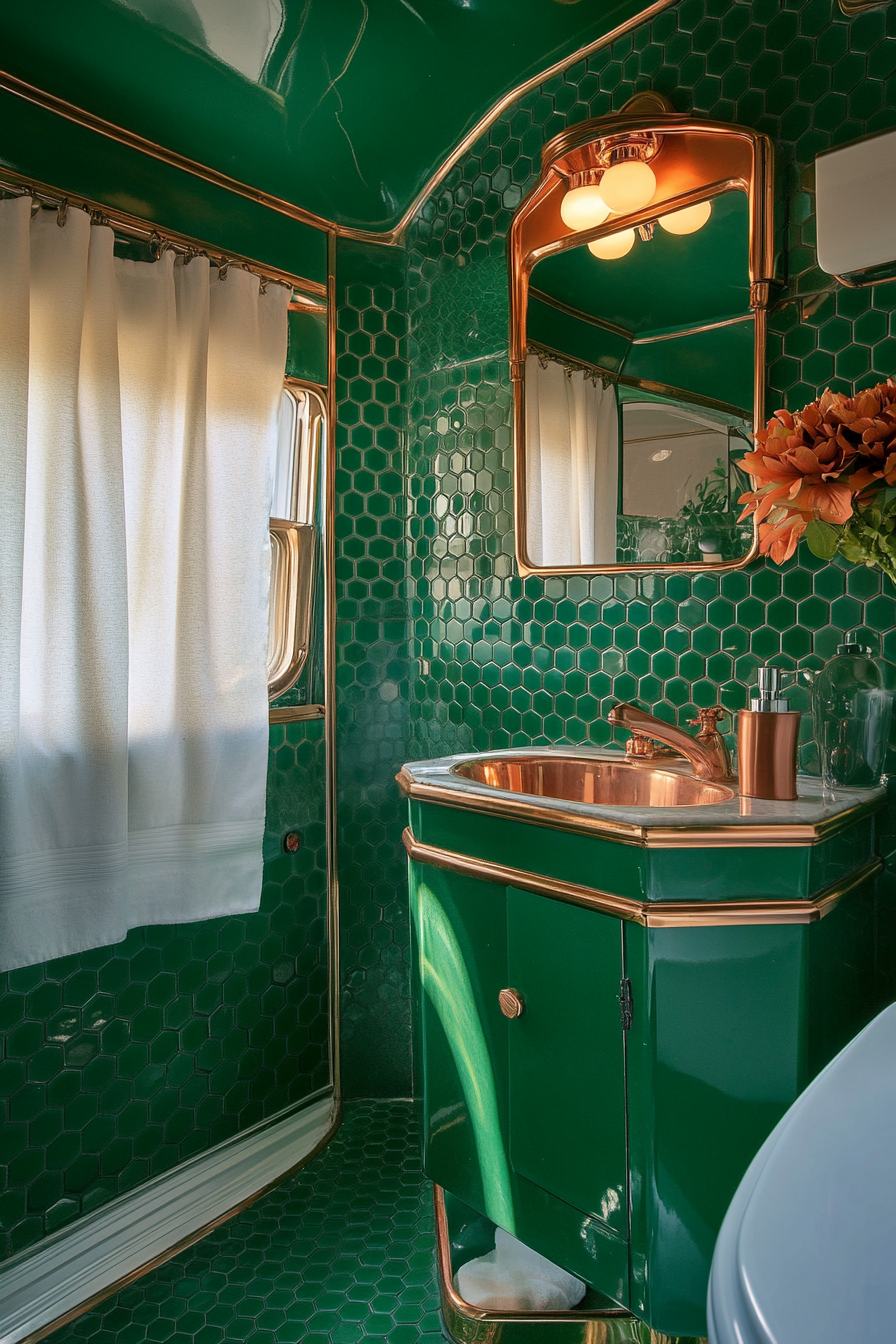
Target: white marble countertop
813	806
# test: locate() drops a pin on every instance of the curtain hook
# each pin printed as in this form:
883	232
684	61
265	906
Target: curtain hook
222	271
262	284
156	244
62	212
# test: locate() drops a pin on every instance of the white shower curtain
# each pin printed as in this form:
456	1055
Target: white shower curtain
572	466
138	422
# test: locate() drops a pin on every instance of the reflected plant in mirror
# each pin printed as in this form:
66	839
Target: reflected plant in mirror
638	351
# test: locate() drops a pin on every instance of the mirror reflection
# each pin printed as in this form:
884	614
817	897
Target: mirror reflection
638	403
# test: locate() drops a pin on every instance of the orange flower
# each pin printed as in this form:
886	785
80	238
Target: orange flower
813	463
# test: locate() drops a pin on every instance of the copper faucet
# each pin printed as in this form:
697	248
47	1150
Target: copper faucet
707	752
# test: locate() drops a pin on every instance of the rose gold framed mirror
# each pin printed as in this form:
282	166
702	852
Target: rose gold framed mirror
640	273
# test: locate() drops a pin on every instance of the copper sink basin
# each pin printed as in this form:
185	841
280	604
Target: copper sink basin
584	780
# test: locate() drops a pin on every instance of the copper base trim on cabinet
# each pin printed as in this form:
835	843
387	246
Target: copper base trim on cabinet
768	836
466	1324
650	914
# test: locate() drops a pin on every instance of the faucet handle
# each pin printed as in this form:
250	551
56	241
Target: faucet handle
708	718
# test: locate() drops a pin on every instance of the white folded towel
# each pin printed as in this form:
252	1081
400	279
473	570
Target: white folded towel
514	1278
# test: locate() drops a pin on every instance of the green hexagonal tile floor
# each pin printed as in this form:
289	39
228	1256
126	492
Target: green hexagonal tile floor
341	1252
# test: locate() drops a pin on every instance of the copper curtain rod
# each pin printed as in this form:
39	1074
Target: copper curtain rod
131	226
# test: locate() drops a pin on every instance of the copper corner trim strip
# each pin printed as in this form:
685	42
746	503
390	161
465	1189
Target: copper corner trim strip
769	836
649	914
295	713
463	1321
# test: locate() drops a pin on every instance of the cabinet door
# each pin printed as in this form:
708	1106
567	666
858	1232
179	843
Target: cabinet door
566	1055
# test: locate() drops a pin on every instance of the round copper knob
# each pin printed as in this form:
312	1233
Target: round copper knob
511	1001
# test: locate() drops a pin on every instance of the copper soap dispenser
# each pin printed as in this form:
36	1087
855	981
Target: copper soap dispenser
767	740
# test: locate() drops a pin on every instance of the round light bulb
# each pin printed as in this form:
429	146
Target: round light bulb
617	245
688	220
628	186
583	208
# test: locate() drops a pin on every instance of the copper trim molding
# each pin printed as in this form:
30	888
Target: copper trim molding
329	620
81	117
295	713
767	836
719	157
30	93
853	7
649	914
147	231
692	331
466	1324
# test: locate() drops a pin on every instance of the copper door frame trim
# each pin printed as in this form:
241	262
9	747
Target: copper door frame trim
649	914
768	836
454	1305
187	1241
30	93
329	614
148	231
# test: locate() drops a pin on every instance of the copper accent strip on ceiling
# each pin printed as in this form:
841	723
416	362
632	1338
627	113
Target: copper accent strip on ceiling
81	117
148	232
517	808
693	331
649	914
295	713
578	314
111	131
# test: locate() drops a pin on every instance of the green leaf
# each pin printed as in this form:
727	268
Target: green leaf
822	539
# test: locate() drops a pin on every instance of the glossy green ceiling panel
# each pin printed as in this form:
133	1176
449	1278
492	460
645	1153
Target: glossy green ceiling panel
345	107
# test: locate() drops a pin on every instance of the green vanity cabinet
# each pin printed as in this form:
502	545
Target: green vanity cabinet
566	1054
660	1038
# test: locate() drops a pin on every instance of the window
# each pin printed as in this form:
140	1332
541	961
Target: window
302	436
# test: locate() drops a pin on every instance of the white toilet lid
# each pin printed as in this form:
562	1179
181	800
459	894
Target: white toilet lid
807	1251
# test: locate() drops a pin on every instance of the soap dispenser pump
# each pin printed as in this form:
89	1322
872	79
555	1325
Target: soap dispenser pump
767	741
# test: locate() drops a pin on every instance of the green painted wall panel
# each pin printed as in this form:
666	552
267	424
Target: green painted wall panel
61	154
307	352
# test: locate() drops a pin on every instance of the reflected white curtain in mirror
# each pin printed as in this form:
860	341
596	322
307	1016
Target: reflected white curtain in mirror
139	423
572	466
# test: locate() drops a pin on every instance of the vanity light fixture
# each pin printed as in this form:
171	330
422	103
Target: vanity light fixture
621	183
686	221
583	207
617	245
628	185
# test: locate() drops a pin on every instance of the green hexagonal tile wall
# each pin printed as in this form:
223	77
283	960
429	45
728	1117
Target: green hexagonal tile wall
496	660
125	1060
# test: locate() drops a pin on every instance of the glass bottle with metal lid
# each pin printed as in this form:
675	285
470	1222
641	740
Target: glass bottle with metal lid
852	709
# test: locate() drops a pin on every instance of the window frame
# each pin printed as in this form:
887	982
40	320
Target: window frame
294	543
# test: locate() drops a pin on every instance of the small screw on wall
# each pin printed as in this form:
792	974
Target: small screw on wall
292	841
